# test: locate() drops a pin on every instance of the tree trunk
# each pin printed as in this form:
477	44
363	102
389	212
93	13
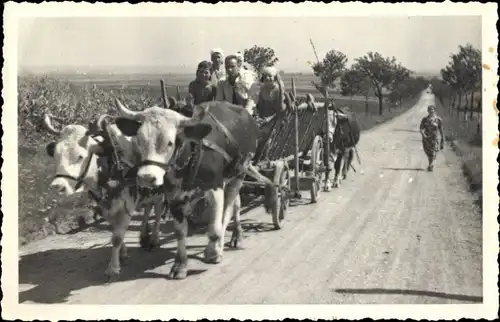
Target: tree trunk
380	102
471	104
351	101
366	104
459	103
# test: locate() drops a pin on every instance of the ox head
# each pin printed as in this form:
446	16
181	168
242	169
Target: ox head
157	133
73	154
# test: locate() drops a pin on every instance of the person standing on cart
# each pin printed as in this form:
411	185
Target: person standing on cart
217	71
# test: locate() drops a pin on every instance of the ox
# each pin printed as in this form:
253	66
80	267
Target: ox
343	138
77	154
206	156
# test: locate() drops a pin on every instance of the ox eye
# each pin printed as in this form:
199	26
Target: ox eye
170	144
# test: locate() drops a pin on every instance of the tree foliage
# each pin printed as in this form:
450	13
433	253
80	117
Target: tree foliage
260	57
463	73
385	73
330	69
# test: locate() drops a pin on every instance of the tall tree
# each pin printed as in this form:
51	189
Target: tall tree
382	71
353	82
329	69
260	57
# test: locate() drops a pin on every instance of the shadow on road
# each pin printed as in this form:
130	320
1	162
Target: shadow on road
406	130
404	169
458	297
57	273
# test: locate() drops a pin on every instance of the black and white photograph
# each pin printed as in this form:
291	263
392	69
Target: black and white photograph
282	156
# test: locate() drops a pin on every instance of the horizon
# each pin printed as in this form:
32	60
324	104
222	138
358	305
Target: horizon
117	45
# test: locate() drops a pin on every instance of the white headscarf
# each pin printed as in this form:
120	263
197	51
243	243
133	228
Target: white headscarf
216	51
272	71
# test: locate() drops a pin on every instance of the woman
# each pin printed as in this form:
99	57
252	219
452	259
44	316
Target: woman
201	89
239	88
429	127
217	72
270	104
272	93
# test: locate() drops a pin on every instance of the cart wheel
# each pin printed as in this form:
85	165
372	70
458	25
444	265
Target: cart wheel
316	161
280	207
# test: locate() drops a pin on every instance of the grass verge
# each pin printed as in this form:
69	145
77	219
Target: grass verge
464	141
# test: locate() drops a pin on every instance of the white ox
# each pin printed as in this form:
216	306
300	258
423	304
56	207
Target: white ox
225	137
75	154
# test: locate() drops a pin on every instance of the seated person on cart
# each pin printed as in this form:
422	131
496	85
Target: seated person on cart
271	101
239	87
202	89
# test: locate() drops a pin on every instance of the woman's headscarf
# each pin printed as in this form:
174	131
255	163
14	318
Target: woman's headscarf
216	51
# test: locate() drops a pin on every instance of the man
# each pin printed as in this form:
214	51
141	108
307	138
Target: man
217	72
239	87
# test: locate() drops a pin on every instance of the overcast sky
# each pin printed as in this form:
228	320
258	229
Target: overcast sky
178	44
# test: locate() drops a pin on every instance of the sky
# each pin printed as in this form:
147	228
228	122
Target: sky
421	43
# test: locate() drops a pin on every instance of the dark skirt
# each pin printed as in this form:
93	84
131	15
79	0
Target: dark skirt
431	146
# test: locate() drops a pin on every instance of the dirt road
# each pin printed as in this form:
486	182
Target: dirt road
392	233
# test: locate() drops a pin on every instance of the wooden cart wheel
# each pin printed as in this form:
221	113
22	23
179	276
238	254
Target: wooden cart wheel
316	161
280	207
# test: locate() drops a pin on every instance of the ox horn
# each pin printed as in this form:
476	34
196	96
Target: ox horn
125	111
199	112
100	120
48	125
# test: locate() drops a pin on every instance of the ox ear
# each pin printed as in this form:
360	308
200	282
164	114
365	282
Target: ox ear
197	132
50	149
127	126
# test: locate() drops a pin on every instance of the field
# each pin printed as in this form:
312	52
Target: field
79	99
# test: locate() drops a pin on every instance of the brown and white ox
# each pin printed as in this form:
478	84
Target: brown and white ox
206	156
76	154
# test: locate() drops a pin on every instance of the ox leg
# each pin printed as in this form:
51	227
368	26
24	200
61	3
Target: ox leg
232	205
338	166
237	236
118	249
160	210
347	164
213	253
145	236
179	270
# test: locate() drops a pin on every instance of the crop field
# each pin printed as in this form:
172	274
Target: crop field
80	99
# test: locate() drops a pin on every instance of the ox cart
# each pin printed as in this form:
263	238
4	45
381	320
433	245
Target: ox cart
294	144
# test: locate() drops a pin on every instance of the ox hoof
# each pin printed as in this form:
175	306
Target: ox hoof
236	239
112	274
212	257
178	272
147	243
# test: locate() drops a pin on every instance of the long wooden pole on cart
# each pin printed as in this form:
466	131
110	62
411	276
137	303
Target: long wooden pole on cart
327	145
297	193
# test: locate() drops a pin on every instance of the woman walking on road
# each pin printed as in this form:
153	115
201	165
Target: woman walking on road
429	127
